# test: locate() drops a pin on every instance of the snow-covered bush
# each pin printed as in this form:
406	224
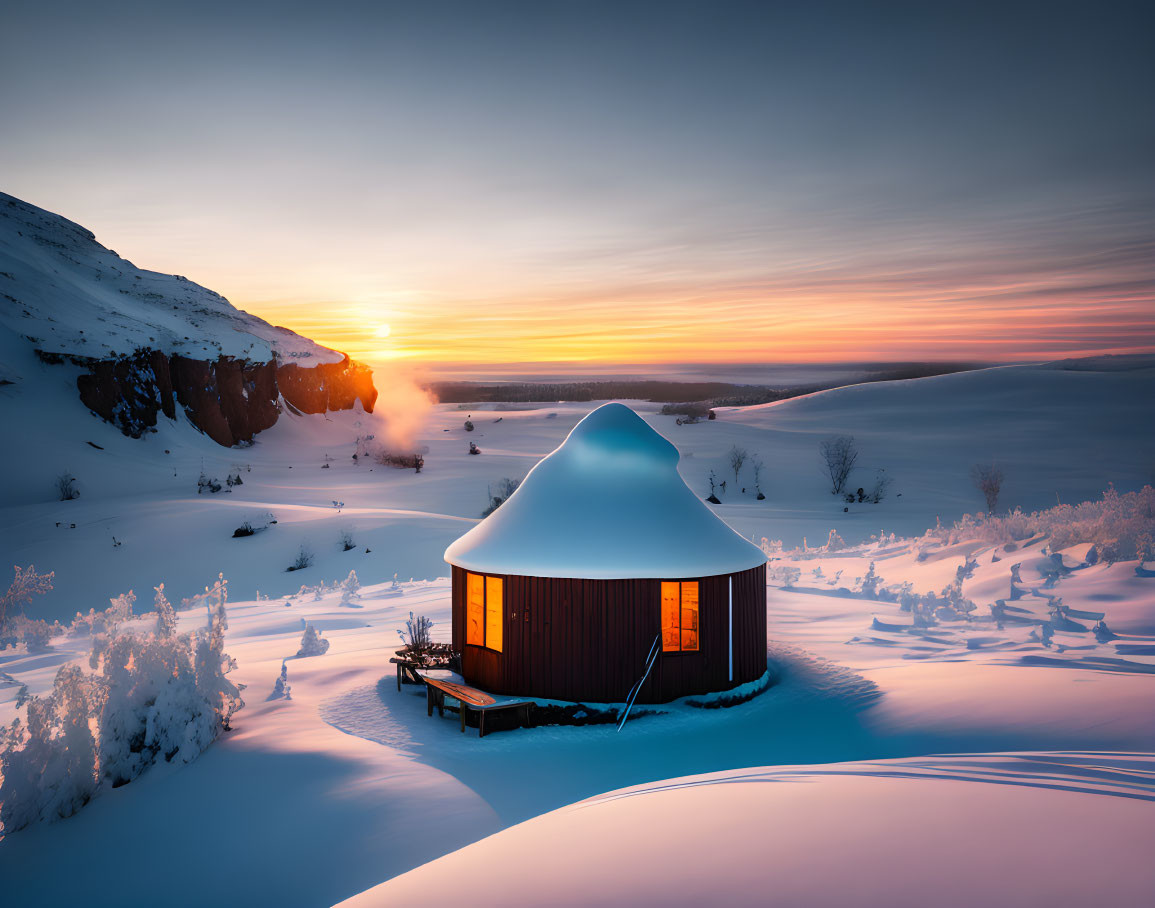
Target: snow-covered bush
1118	525
350	589
345	540
165	613
312	643
208	484
25	584
416	633
149	696
834	542
282	690
869	583
37	635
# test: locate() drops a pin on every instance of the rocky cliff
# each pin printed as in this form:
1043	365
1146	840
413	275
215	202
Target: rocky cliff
230	400
151	343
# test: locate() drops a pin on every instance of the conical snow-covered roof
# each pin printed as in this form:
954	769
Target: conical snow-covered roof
607	504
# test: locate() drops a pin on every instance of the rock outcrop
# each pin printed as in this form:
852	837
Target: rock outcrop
228	399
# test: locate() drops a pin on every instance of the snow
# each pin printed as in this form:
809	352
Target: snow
1004	829
65	293
608	503
832	784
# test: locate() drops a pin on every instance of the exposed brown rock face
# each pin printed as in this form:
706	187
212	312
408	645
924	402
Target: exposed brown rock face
329	386
230	400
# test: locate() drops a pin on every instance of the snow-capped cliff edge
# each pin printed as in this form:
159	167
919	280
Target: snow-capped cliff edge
149	342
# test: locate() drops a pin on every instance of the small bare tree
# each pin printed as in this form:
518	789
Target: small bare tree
66	486
713	499
757	467
988	479
737	459
840	454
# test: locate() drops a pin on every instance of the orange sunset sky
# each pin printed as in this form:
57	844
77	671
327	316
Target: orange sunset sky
630	183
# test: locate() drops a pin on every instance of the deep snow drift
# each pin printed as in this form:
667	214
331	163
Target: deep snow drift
948	831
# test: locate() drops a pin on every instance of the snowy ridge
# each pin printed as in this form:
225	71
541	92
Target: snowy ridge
841	834
607	504
67	294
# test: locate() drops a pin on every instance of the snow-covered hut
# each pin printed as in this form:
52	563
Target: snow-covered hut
561	592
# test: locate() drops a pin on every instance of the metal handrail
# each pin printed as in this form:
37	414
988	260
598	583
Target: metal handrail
636	689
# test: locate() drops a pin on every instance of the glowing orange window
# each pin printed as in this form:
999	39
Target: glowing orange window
475	610
484	611
493	610
679	616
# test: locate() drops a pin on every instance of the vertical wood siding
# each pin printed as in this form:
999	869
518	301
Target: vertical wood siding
587	640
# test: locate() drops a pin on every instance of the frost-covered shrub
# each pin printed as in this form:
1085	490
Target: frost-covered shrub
165	613
345	540
834	542
37	636
148	697
312	643
26	584
1117	525
870	582
416	634
120	609
350	589
282	690
207	484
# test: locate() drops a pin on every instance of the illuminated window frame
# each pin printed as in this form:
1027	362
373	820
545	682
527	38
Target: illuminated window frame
484	611
681	612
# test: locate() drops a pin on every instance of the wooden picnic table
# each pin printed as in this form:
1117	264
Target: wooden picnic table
468	698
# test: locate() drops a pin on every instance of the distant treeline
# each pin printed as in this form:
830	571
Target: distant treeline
713	394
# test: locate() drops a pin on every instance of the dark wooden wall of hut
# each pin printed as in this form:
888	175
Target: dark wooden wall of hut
587	640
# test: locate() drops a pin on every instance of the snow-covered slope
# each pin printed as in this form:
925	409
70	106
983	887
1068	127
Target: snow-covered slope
65	293
149	344
608	503
998	829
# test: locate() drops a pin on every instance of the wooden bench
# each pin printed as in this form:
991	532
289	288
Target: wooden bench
468	698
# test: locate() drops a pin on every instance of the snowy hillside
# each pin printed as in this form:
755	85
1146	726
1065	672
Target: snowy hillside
65	293
1055	431
1023	646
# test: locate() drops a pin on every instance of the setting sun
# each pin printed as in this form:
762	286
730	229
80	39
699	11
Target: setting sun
381	331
